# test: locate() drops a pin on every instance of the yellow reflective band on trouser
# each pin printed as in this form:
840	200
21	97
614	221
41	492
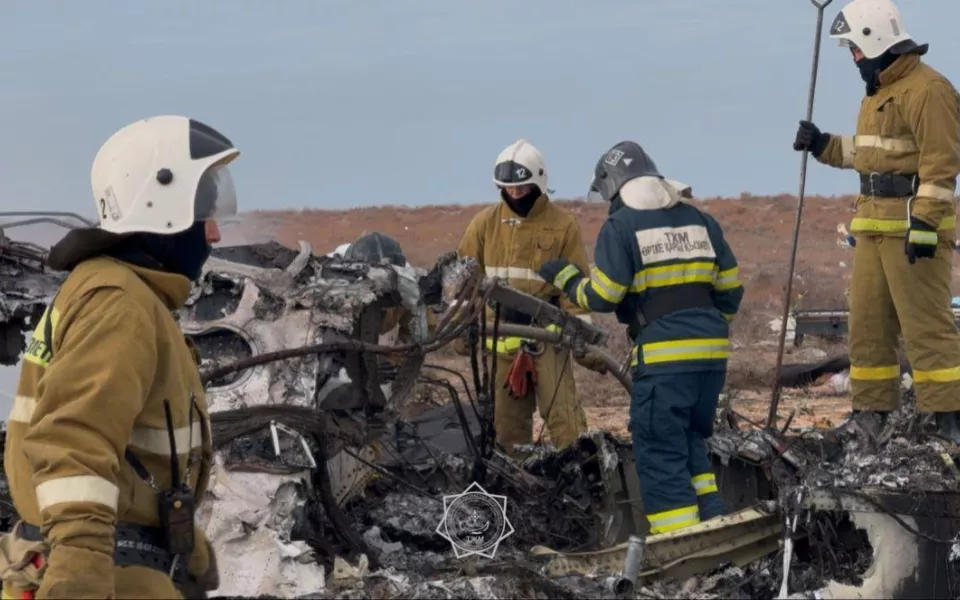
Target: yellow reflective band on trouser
937	375
727	280
875	373
671	520
653	277
606	288
727	316
676	350
705	484
862	225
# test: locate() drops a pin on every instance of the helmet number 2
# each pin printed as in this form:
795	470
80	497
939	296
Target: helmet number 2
103	209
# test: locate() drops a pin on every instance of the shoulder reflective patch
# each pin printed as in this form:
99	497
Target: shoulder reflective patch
674	243
37	350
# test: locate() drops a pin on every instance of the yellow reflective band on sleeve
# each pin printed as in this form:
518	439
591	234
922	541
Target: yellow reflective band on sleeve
885	143
37	351
936	375
848	150
728	316
875	373
654	277
671	520
678	350
633	357
80	488
157	441
927	238
727	280
862	225
23	409
606	288
929	190
705	484
582	294
552	327
565	275
520	273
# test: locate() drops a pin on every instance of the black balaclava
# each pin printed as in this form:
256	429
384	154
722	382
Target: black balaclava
870	69
182	253
523	205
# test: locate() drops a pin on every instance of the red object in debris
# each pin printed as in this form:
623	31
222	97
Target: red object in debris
37	561
522	375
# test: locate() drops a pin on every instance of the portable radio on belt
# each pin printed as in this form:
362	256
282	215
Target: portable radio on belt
176	504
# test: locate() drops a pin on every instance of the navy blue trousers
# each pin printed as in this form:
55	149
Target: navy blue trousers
671	415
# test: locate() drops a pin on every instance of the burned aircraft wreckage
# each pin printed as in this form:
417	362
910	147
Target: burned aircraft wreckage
330	477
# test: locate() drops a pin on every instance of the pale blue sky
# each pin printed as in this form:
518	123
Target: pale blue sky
343	103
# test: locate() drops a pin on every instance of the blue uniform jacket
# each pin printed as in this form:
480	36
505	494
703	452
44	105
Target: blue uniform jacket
641	253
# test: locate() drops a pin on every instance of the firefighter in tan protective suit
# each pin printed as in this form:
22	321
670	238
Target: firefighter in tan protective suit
512	240
108	380
907	153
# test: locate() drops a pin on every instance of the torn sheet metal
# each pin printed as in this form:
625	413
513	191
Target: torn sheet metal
262	298
248	518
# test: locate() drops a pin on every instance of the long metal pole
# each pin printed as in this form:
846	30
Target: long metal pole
788	294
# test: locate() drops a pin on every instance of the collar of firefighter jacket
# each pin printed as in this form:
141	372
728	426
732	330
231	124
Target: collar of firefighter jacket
172	288
899	69
538	207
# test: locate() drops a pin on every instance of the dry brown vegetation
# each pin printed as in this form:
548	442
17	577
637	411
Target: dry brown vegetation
758	229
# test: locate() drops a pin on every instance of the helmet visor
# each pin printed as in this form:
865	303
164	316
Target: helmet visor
511	174
216	196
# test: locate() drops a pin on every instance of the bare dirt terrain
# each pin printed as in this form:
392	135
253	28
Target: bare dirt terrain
758	229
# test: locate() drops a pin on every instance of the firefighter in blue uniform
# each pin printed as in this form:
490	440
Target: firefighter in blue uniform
666	270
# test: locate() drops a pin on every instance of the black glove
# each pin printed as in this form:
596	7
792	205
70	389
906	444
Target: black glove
809	137
921	241
559	272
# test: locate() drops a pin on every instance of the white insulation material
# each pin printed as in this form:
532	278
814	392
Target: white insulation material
248	523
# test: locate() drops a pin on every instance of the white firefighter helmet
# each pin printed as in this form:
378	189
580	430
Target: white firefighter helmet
162	174
520	163
873	26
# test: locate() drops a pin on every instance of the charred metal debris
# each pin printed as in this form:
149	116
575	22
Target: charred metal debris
330	478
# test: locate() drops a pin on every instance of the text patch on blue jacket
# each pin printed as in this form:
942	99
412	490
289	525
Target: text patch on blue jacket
671	269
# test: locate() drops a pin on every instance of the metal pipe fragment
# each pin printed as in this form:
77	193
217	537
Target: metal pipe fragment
625	585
